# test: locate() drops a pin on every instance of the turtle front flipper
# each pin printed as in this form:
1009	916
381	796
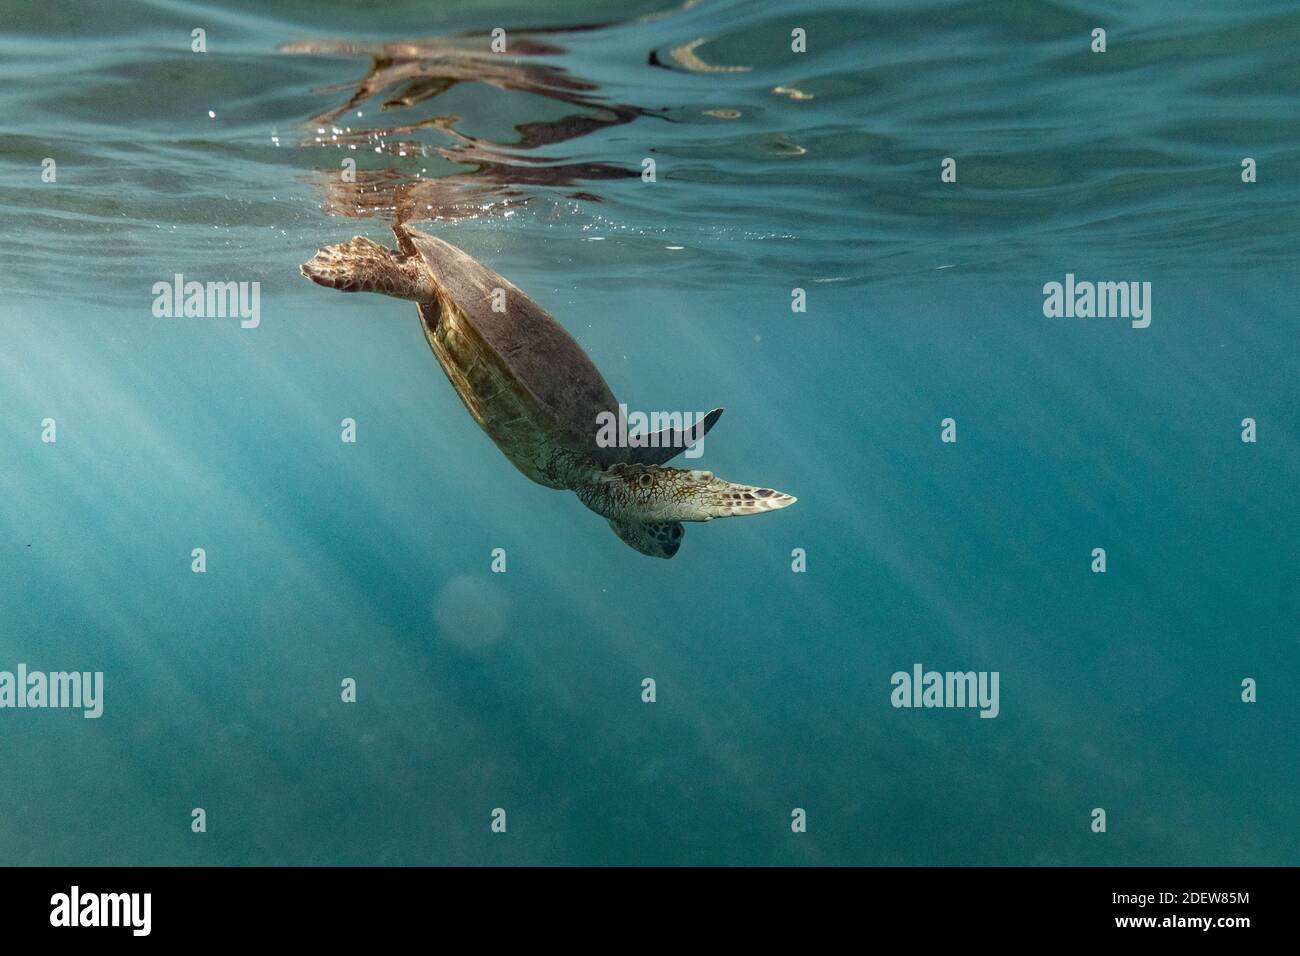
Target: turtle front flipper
655	493
365	266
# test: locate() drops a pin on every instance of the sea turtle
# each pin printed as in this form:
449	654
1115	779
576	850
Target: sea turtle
534	391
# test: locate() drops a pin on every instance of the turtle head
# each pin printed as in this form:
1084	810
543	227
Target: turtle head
654	493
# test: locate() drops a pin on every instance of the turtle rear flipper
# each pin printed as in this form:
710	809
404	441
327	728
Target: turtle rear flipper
365	266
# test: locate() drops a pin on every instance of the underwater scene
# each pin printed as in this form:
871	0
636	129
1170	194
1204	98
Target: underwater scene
364	497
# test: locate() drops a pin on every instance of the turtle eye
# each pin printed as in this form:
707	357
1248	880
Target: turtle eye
644	481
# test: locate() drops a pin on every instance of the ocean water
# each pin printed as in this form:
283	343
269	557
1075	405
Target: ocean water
775	171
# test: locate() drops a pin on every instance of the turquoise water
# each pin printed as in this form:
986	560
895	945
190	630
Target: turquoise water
479	690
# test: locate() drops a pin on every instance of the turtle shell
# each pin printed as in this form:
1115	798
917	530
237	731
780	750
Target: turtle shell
526	341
